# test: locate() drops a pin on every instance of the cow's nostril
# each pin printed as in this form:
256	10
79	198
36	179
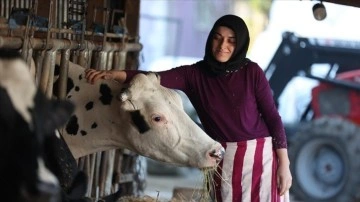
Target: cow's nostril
218	154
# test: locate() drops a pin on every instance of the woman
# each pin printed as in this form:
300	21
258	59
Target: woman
235	105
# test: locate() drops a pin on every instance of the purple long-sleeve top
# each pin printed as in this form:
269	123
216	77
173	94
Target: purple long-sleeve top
235	107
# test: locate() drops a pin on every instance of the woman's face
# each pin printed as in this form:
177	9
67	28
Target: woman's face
223	43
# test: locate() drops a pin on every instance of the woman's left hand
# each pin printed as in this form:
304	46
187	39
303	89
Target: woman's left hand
284	178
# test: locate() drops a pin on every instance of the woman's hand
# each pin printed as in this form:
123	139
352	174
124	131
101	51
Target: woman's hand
284	178
93	75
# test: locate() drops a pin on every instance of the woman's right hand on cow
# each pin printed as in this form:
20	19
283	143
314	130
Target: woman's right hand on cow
93	75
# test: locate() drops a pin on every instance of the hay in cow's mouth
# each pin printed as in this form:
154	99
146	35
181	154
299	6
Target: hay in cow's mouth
209	182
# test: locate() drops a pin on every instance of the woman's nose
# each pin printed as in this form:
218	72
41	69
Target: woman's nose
223	44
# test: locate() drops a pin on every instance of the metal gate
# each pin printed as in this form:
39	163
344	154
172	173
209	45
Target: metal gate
88	33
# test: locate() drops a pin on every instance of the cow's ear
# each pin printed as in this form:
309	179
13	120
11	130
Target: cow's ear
136	87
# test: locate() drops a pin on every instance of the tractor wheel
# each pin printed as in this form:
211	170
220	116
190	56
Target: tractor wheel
325	163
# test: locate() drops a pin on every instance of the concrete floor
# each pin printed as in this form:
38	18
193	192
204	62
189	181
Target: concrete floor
162	186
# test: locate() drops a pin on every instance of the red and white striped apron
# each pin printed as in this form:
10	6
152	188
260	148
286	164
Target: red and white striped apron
248	173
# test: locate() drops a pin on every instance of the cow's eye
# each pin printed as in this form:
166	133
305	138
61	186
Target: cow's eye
157	118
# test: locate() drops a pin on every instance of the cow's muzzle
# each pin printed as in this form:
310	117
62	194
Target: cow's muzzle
218	154
41	192
48	192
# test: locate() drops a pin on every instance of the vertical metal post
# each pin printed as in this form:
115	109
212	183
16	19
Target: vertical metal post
109	61
52	62
39	55
122	64
116	60
84	59
64	69
47	75
103	59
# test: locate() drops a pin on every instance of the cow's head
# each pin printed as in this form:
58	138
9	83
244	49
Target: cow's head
27	119
141	116
163	130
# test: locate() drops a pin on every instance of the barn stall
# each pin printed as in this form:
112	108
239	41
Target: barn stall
100	34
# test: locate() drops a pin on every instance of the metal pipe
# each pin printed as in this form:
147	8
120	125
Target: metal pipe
109	172
22	28
95	60
62	44
122	64
92	175
74	56
90	58
10	42
103	169
97	175
64	69
84	58
103	59
46	79
39	55
49	88
116	60
109	61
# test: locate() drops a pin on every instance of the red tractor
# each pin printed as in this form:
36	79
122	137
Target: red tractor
325	152
324	146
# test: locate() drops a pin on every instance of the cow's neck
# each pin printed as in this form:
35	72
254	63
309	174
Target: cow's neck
99	128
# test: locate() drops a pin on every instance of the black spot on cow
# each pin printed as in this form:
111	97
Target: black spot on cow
139	121
106	95
94	125
69	86
80	77
57	70
69	96
89	106
77	88
72	126
83	133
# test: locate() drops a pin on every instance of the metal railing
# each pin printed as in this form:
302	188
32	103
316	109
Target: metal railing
107	170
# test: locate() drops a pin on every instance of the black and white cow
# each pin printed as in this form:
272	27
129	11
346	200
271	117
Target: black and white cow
143	117
28	141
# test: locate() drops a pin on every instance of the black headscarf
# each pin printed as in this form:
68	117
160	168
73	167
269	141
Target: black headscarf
238	58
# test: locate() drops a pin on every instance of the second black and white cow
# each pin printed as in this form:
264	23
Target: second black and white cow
27	135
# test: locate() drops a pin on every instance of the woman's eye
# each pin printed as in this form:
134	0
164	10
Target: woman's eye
216	37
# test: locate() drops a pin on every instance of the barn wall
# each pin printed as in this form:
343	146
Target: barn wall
84	44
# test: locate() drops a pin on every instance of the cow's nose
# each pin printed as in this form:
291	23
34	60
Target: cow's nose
218	154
